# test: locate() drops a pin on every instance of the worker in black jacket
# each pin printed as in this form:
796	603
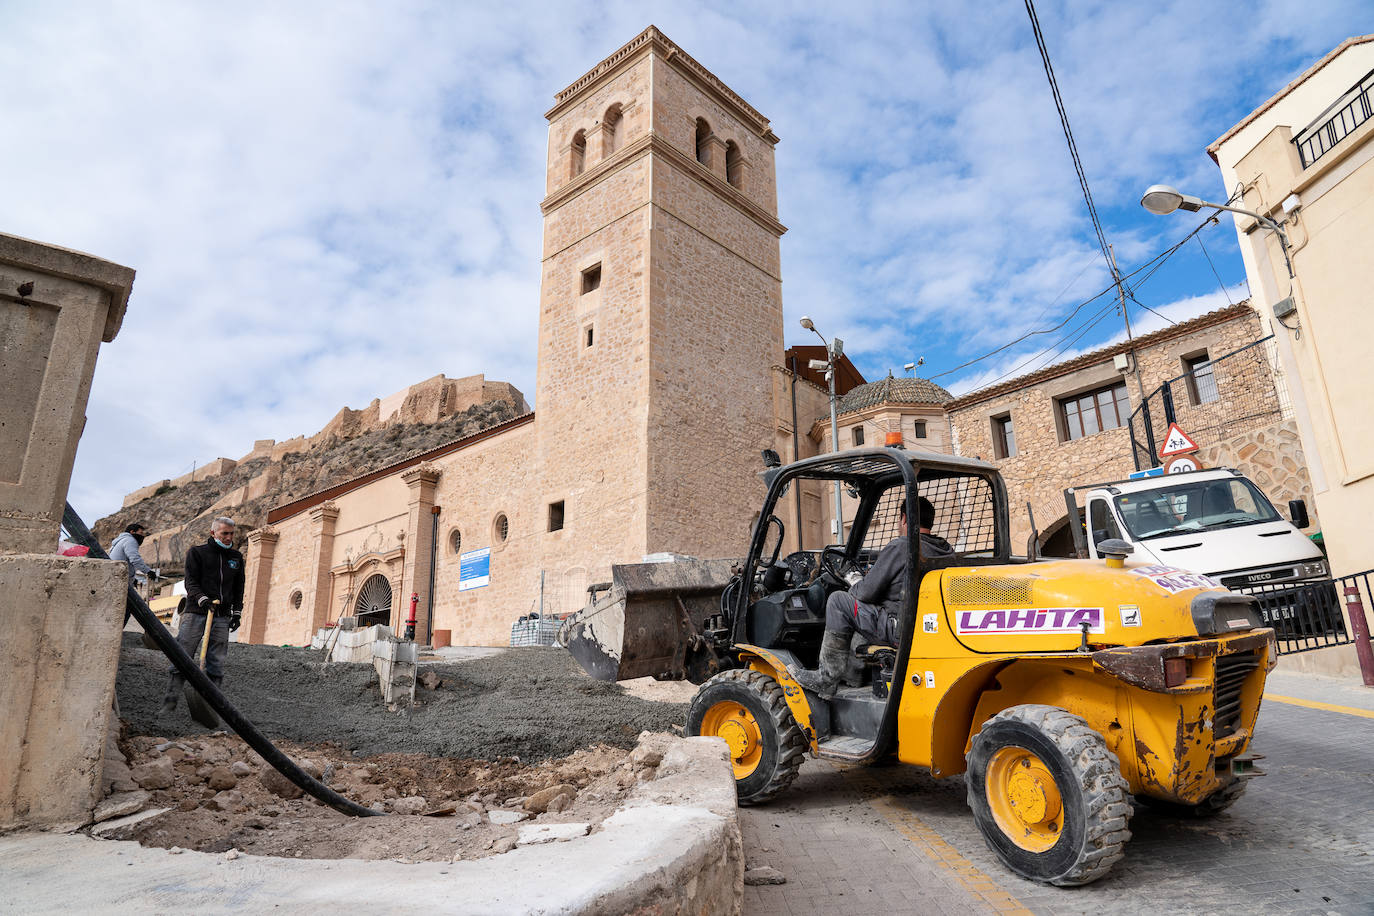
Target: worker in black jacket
872	606
214	582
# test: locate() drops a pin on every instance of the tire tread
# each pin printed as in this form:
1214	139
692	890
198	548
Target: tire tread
792	744
1105	792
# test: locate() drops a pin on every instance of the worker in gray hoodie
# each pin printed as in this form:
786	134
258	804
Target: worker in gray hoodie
125	548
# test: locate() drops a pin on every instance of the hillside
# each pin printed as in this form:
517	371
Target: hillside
179	515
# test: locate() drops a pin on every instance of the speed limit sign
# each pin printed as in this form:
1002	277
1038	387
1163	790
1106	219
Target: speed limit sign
1181	464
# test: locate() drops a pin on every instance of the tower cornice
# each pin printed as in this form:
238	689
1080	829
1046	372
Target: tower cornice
652	41
654	143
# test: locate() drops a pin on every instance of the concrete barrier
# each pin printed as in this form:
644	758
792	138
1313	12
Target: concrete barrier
59	646
673	848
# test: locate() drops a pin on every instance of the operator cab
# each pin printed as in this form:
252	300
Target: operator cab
783	608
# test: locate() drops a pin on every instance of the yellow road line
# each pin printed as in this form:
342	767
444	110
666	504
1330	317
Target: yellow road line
1329	707
934	847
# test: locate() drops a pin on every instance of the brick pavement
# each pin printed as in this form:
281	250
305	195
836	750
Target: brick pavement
892	840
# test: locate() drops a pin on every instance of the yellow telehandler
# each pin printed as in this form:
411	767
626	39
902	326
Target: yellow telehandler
1058	689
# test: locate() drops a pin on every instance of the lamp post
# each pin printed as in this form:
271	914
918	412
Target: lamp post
834	349
1161	200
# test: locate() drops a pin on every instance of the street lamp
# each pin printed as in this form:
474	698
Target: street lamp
834	349
1161	200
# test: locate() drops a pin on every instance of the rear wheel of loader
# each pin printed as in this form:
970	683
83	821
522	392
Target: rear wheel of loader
1210	806
747	709
1048	795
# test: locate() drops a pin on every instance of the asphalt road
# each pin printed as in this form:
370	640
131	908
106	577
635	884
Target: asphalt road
892	840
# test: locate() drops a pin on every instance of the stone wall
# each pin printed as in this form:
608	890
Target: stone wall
1046	461
1273	458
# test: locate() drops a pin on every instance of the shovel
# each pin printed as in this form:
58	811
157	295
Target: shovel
200	710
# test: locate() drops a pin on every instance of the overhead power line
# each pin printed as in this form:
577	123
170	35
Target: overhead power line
1068	135
1144	272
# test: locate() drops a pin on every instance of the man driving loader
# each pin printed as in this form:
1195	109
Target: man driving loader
871	605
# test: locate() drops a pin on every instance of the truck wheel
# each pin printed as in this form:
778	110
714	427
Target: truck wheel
747	709
1048	795
1210	806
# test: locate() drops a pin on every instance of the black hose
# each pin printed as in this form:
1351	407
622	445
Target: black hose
255	739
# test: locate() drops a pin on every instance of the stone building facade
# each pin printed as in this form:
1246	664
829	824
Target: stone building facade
660	324
1027	425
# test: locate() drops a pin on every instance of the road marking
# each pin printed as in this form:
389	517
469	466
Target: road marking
1329	707
934	847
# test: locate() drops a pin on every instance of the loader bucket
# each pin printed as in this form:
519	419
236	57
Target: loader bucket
648	623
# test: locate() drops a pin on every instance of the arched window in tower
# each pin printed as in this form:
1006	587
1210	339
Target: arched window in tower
579	153
734	165
703	145
610	130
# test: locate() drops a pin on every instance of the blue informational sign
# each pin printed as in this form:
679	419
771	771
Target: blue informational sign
474	569
1151	472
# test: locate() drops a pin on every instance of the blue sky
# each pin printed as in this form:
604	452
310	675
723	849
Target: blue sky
328	201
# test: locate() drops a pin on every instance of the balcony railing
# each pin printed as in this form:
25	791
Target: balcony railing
1351	110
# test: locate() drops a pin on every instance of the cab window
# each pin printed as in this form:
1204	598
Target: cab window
1101	522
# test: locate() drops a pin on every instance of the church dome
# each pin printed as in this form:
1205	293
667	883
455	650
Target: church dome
890	390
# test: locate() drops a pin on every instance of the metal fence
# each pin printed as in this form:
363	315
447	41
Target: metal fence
557	594
1308	616
1352	109
1235	393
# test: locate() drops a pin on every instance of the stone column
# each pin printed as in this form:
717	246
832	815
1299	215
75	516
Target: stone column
321	559
60	617
715	155
262	547
421	479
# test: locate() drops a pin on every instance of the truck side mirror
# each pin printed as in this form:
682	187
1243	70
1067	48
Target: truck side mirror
1297	510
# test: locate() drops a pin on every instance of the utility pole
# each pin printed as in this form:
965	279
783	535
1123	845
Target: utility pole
1121	298
834	441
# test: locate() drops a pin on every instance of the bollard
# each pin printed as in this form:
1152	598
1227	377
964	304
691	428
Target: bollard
1359	632
410	621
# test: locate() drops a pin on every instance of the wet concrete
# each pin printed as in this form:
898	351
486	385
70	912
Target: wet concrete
526	703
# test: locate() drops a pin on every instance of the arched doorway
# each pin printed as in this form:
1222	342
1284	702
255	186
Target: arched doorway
374	601
1057	539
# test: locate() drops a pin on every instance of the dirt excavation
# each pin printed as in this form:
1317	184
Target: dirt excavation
516	748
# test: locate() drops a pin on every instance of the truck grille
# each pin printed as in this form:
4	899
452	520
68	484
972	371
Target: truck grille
1231	671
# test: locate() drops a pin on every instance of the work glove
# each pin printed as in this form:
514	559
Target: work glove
235	620
204	602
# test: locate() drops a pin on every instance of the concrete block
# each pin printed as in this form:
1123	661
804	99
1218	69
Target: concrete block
51	333
60	622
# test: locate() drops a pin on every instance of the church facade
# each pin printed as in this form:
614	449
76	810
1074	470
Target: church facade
659	357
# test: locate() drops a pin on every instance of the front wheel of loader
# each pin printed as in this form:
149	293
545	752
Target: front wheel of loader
1048	795
747	709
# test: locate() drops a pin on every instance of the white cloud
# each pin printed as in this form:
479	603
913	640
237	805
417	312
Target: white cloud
328	201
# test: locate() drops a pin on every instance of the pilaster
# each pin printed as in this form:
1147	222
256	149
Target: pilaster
421	479
262	548
324	516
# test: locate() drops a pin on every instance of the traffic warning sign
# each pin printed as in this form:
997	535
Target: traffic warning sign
1177	442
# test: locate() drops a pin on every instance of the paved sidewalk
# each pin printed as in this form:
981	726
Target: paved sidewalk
891	840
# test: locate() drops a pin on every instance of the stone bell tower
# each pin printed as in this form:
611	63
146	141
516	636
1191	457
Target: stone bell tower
660	311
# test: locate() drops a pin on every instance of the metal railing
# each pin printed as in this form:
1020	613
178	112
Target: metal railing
1234	393
1352	109
1307	616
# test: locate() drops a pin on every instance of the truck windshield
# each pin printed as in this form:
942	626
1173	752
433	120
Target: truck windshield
1188	507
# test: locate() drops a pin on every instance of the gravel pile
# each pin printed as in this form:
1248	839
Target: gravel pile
533	704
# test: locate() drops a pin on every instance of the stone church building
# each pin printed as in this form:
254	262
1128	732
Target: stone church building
662	376
660	347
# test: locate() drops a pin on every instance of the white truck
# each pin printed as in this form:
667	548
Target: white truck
1218	524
